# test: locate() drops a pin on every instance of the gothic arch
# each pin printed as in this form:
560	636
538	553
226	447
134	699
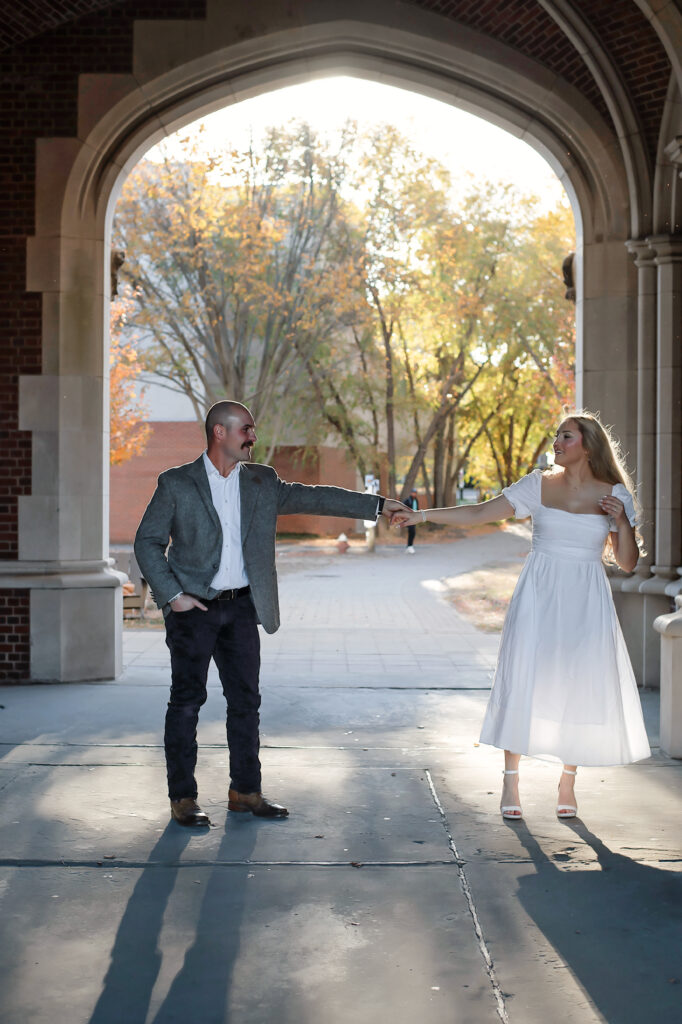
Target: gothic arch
184	70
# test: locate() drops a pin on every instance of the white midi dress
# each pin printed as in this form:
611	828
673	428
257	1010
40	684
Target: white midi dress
564	686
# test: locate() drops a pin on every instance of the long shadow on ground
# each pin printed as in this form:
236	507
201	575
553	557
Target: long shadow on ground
200	989
619	929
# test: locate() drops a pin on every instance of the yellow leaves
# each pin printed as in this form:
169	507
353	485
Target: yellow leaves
288	250
128	434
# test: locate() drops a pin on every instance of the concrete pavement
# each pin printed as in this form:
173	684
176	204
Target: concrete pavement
393	893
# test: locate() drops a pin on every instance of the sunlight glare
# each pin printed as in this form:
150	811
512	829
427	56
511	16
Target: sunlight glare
464	143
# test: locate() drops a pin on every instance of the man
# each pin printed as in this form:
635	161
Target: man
413	503
215	583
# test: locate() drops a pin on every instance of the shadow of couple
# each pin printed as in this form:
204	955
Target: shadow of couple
616	924
163	899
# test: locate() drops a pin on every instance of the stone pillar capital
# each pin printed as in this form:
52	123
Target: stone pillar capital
668	248
641	252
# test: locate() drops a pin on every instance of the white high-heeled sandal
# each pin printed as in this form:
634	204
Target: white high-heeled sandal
512	812
566	810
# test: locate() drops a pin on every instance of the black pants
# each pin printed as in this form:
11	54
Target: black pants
228	633
411	534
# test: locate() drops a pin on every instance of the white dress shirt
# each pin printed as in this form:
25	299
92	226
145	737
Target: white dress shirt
231	572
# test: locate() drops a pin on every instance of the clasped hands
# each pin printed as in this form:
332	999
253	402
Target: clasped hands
399	514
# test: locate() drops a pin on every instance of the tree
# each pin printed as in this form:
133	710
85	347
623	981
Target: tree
128	431
535	373
452	312
226	255
341	288
398	197
496	321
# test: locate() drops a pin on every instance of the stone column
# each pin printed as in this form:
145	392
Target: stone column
670	628
668	548
606	352
638	610
665	582
76	605
645	470
607	356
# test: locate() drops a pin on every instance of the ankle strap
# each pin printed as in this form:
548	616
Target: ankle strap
510	771
566	771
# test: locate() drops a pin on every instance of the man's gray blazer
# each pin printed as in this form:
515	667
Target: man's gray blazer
181	509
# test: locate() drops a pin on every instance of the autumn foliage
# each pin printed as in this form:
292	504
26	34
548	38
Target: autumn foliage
128	431
347	289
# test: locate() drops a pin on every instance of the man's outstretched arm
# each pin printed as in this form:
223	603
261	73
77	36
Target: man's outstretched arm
321	500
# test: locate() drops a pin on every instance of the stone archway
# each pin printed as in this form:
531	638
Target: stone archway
180	73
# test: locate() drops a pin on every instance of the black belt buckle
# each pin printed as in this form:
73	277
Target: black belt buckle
229	595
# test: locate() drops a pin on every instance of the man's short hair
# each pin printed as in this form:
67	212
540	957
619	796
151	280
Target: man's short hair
221	412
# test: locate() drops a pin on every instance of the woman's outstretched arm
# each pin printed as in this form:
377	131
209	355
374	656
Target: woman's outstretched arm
460	515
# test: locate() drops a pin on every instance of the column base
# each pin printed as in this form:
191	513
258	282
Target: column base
670	628
76	635
76	618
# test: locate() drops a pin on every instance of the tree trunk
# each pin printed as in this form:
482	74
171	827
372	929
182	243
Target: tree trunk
450	470
430	497
390	414
438	461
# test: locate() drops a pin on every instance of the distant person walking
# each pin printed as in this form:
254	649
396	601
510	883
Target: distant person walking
215	582
413	503
564	685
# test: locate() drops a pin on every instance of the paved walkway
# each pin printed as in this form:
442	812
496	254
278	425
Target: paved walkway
393	893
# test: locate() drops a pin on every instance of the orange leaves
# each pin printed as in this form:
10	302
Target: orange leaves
128	435
349	288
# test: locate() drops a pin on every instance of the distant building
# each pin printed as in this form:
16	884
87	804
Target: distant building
176	437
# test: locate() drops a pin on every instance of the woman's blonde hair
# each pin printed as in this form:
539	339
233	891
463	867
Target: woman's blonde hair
605	457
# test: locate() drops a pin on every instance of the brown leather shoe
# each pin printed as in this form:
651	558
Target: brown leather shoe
256	804
188	812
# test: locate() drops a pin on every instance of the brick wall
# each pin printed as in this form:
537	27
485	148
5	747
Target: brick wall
643	64
38	98
620	26
326	466
19	354
14	635
172	444
132	484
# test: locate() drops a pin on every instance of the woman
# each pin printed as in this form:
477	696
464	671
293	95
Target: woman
564	685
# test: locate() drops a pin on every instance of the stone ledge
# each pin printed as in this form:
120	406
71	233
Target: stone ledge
58	575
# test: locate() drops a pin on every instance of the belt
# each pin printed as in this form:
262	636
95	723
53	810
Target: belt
229	595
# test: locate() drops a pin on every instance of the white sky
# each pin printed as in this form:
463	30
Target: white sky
461	141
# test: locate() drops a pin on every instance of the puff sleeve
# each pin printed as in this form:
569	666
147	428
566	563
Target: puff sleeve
524	495
621	492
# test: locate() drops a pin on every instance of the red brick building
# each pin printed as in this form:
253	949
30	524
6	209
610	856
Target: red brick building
173	443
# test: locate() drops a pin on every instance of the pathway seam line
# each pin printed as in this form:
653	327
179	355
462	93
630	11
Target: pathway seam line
468	895
111	863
